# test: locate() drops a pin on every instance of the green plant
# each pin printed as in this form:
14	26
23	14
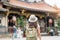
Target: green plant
20	21
48	29
58	22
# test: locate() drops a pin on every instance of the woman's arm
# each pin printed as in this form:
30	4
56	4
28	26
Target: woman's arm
38	31
39	35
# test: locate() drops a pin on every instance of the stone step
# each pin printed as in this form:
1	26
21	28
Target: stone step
44	34
5	35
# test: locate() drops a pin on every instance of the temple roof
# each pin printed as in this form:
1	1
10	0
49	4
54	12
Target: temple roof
41	6
3	9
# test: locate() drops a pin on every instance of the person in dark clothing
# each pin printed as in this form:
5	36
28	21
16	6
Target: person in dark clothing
47	21
50	25
10	26
14	32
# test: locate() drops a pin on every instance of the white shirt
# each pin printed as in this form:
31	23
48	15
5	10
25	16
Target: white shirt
19	33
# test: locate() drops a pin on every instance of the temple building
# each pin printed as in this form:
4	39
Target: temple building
10	8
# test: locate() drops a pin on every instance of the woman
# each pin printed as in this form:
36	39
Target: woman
33	29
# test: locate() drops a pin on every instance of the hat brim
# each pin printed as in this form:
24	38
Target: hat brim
33	20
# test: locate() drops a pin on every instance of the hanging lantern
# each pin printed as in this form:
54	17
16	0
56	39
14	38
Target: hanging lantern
14	18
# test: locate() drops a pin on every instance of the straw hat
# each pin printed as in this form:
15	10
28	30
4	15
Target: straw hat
33	18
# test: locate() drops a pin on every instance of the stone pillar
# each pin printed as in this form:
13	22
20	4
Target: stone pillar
6	23
7	20
3	21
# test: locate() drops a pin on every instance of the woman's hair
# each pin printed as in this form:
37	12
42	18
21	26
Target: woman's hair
34	24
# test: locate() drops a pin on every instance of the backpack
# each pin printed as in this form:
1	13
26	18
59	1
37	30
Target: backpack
31	32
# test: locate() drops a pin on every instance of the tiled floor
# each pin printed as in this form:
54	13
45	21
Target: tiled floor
42	38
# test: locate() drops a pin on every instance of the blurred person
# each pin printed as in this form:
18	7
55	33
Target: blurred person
33	29
14	32
51	32
19	33
10	26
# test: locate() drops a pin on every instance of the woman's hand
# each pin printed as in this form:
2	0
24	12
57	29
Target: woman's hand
39	35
